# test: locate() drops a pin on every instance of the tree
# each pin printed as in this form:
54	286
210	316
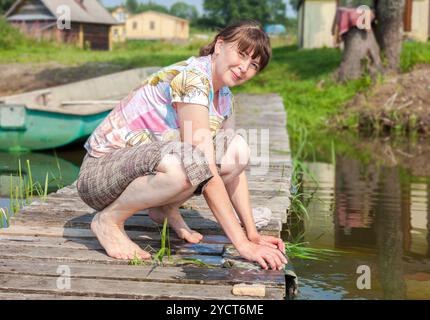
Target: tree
152	6
277	11
184	10
389	15
295	4
366	45
224	12
132	6
5	5
345	3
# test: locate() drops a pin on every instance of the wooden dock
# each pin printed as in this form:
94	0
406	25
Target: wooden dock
49	252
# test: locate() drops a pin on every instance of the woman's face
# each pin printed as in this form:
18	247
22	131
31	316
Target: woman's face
232	67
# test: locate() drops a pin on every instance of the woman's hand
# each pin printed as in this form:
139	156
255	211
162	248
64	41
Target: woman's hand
269	241
264	255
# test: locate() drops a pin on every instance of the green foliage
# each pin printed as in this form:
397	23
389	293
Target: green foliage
9	36
303	78
5	5
132	6
158	257
224	12
295	4
185	11
356	3
302	251
414	53
23	188
153	7
4	218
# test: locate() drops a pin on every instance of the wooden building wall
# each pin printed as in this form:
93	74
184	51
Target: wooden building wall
91	36
96	36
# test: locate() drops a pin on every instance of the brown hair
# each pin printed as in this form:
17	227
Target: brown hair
249	35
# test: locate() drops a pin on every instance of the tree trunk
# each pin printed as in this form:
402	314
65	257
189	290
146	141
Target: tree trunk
361	45
389	30
361	54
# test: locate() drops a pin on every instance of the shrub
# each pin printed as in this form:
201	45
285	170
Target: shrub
10	37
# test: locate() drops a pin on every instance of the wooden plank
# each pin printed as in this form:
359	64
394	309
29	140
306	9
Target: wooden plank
206	225
177	246
122	289
44	235
183	274
32	296
76	207
86	233
63	255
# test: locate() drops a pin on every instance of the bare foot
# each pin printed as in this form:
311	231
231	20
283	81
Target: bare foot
115	240
176	222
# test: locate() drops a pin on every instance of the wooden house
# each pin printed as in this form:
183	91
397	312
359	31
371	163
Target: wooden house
118	31
90	23
315	19
417	19
152	25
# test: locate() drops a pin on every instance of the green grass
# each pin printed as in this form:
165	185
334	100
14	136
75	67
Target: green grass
23	189
414	53
301	77
302	251
165	235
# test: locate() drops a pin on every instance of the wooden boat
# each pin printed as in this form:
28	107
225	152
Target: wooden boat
57	116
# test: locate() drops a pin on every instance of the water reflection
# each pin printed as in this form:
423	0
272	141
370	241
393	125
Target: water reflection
379	216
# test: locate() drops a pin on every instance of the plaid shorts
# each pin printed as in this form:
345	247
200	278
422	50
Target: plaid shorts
102	180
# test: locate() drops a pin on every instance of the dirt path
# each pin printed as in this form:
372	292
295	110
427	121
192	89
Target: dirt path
17	78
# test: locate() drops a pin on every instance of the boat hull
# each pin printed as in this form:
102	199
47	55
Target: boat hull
42	130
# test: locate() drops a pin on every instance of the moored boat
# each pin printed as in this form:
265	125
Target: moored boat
57	116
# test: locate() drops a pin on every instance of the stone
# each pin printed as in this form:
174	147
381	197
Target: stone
253	290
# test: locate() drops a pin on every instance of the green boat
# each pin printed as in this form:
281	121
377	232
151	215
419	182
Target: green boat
57	116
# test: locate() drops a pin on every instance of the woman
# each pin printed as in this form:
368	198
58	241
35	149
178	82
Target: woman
155	150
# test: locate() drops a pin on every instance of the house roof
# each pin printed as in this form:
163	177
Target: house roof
91	11
161	14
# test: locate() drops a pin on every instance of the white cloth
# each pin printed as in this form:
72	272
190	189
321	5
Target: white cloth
261	216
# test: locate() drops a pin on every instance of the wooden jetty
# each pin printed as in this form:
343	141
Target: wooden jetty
49	252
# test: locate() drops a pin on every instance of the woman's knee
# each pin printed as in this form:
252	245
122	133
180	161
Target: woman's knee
237	156
173	167
186	164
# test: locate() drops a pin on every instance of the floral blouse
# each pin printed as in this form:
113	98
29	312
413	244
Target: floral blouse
147	114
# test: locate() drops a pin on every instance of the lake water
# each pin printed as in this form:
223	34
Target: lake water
378	215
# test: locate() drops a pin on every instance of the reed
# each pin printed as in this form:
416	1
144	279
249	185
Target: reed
301	250
25	189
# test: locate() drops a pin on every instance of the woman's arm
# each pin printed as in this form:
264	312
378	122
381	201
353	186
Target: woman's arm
196	118
238	192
